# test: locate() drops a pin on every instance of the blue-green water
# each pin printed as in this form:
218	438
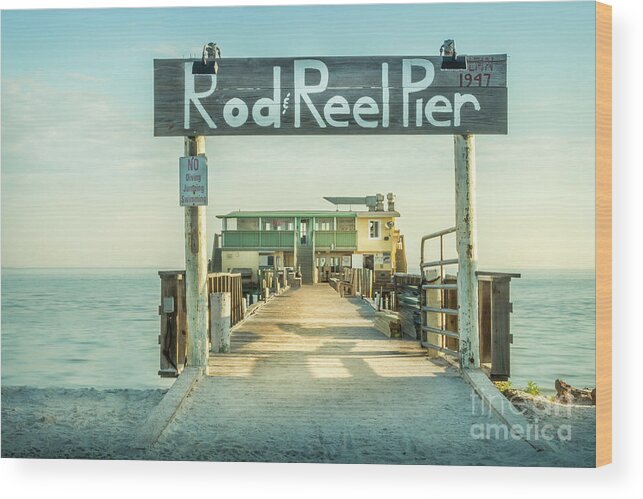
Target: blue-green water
554	328
99	328
81	328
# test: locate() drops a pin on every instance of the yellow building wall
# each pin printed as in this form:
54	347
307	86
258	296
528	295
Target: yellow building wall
250	260
366	245
239	260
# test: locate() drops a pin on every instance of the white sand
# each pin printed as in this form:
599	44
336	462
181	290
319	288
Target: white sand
576	421
93	424
58	423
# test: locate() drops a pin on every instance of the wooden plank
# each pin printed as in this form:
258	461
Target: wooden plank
350	71
484	320
331	96
165	341
451	321
603	234
164	412
181	323
500	339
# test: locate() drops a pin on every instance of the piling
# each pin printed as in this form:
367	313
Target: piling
196	272
466	233
220	322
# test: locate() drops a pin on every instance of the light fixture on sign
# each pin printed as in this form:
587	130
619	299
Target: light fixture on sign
450	59
208	65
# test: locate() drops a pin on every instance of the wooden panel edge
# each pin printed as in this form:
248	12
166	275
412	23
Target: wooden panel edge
603	266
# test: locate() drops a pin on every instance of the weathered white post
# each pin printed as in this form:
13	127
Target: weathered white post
220	322
196	272
466	235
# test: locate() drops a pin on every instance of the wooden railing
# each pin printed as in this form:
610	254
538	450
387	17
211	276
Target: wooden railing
336	239
221	282
494	309
258	239
286	239
353	282
174	337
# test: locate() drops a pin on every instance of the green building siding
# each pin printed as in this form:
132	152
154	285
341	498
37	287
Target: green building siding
285	239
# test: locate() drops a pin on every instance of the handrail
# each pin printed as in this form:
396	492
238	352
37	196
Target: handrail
425	308
440	234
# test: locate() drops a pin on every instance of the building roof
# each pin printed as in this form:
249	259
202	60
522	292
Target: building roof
308	213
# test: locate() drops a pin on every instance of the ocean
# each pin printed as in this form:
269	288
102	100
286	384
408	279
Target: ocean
99	328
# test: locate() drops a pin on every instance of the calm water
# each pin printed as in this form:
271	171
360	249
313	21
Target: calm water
553	326
82	328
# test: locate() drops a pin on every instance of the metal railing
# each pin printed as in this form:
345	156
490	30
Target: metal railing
439	284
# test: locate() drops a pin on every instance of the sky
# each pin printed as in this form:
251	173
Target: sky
84	182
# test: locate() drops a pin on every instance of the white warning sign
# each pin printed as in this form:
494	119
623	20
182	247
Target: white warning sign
193	181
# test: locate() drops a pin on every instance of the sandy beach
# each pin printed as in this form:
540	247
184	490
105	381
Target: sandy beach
60	423
101	424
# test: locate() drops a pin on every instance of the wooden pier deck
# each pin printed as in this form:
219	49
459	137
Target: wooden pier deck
312	334
309	379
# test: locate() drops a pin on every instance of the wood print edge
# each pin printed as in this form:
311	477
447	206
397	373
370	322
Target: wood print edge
603	267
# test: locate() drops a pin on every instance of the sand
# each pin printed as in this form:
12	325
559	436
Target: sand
100	424
60	423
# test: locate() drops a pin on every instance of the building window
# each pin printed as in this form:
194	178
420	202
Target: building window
374	229
277	223
246	224
266	260
324	224
345	224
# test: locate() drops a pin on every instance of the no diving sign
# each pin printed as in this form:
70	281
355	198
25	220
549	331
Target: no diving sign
193	181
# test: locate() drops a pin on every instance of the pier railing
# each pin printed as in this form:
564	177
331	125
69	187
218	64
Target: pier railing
336	239
258	239
354	282
173	338
433	280
427	305
285	239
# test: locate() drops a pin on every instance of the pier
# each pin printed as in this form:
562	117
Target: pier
309	379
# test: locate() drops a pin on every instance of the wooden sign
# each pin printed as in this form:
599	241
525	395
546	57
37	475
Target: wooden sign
332	96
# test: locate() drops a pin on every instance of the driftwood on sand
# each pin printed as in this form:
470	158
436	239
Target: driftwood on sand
567	394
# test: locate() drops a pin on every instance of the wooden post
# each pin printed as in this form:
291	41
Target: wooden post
484	320
466	235
295	242
500	335
220	321
196	272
